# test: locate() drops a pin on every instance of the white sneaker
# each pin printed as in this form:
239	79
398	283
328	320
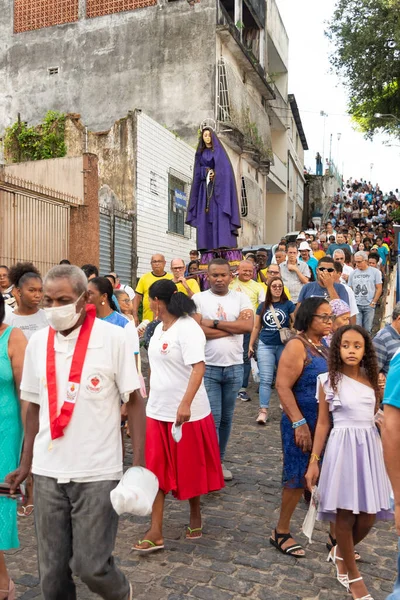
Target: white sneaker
226	473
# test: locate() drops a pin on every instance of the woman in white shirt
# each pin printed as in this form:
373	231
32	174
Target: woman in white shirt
191	466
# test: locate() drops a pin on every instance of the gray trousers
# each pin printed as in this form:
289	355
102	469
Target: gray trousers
76	528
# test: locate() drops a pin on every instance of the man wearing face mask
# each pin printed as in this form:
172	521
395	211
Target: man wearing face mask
75	373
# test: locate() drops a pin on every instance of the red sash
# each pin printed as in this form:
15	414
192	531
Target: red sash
58	423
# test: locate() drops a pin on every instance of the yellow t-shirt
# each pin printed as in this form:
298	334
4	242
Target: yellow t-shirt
192	284
318	254
254	290
143	286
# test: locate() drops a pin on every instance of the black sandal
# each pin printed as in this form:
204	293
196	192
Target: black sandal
334	543
290	550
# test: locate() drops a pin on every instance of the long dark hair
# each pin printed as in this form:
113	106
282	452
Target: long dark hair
369	361
202	146
268	296
103	285
177	303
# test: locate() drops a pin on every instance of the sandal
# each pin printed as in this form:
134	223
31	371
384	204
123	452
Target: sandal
290	550
333	544
343	579
367	597
196	530
152	547
25	511
262	416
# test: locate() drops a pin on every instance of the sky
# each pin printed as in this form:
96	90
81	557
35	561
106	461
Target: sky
318	89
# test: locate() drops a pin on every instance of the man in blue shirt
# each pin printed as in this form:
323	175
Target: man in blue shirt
339	245
324	287
382	250
305	256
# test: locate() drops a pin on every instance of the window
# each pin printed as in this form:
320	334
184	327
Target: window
53	71
224	112
177	204
244	207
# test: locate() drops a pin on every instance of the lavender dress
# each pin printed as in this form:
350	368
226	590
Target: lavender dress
353	475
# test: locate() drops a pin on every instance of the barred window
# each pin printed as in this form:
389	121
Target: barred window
244	207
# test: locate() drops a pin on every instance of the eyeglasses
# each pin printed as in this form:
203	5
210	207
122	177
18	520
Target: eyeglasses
325	318
276	287
177	268
127	301
273	273
329	269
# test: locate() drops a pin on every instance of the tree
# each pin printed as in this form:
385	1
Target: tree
366	37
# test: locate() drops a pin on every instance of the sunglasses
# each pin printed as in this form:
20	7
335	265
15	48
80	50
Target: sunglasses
276	287
329	269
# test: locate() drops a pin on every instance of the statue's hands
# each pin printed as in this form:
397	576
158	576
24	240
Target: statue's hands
212	174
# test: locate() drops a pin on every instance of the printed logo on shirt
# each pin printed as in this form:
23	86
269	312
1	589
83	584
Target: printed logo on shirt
95	383
221	314
270	321
72	392
164	348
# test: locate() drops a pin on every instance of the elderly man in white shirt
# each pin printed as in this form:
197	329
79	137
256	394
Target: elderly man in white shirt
339	256
75	374
295	274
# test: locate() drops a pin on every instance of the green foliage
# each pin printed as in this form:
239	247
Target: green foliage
366	37
395	215
23	142
239	25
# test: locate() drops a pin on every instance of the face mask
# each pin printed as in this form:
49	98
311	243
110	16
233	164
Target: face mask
65	317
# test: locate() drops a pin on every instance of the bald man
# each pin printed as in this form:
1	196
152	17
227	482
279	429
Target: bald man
245	283
186	286
144	284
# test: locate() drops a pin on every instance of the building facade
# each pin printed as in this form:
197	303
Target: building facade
212	60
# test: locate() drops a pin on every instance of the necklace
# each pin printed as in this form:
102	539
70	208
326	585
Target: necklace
163	330
320	349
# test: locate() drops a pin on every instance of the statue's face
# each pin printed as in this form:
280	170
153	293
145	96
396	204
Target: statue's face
207	137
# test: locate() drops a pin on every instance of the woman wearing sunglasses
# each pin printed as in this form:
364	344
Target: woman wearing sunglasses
275	313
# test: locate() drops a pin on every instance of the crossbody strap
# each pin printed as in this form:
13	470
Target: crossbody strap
271	308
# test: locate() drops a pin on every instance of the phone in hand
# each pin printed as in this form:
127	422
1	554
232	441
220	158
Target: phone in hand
6	493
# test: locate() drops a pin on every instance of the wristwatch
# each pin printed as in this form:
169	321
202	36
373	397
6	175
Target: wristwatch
215	323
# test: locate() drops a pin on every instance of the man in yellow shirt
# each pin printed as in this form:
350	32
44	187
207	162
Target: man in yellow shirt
245	283
145	282
187	286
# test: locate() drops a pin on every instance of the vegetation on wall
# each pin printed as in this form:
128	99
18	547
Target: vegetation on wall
25	142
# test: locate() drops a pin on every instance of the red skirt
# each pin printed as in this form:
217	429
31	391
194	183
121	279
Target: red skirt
189	468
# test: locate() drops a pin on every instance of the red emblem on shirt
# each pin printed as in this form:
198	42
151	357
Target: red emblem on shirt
95	381
164	348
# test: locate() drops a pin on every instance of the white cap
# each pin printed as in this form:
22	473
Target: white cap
301	236
304	246
135	493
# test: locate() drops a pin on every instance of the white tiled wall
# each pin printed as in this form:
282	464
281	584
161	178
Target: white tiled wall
159	150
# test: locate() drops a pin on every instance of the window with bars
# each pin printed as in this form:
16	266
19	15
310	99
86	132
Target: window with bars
36	14
224	112
176	214
98	8
244	206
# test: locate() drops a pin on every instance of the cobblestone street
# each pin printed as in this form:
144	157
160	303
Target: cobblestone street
234	558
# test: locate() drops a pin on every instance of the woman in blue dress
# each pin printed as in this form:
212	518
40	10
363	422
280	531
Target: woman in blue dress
100	293
12	352
303	359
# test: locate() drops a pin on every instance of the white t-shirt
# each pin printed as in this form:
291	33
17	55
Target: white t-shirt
352	300
171	355
347	270
133	337
91	448
28	324
226	351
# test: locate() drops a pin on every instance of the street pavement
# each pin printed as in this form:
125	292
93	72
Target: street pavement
234	558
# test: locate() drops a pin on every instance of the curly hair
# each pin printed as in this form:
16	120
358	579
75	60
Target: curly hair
369	360
21	272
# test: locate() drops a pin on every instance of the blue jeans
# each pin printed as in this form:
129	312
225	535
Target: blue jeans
267	359
365	317
222	385
395	595
246	360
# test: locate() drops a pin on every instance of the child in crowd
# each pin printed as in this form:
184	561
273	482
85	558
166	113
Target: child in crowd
354	487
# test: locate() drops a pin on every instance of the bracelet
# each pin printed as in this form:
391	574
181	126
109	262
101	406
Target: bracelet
299	423
315	458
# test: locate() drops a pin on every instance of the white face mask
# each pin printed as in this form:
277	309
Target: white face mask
65	317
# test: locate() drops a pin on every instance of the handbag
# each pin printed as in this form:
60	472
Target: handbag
285	333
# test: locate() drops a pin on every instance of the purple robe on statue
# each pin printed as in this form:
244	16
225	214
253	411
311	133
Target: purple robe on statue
216	227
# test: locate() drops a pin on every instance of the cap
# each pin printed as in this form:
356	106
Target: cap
304	246
301	236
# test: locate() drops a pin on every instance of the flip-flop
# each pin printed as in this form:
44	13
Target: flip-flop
25	512
153	547
198	530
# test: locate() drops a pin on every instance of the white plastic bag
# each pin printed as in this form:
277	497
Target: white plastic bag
135	493
309	521
254	370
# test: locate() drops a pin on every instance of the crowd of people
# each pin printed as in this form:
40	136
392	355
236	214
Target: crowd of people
300	320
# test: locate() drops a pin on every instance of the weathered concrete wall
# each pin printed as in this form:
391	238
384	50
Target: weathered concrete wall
56	173
160	59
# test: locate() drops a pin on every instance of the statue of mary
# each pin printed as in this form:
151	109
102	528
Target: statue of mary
213	204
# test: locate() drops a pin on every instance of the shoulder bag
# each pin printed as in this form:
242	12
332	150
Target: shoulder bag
285	333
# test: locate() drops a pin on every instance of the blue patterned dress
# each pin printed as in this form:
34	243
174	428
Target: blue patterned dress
295	461
10	443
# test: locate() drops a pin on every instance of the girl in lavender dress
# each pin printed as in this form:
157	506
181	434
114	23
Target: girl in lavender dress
354	488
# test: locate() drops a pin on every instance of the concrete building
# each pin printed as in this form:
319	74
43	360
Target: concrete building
181	64
297	143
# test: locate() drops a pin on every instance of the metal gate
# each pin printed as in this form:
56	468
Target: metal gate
34	223
116	244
